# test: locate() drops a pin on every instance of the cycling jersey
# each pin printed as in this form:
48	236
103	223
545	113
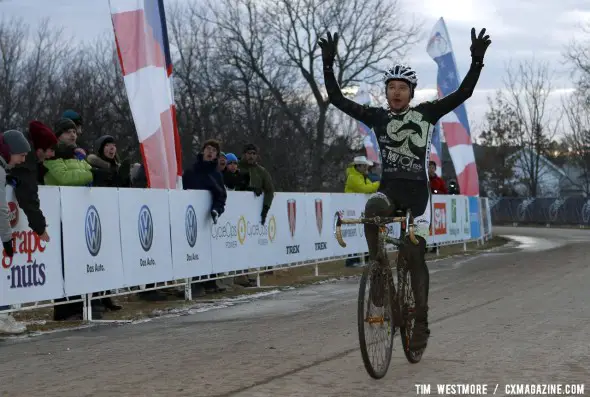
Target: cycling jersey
404	138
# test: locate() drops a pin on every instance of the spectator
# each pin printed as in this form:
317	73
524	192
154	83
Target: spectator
222	162
14	148
106	158
204	175
257	179
437	184
69	168
75	117
232	177
357	180
374	174
30	174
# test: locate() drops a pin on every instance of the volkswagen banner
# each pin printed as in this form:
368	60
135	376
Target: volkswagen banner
190	231
145	235
91	240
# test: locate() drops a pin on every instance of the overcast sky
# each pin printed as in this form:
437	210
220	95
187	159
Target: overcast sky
520	29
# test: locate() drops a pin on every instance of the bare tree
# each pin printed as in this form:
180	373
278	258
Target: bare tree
577	139
277	41
528	87
500	141
578	56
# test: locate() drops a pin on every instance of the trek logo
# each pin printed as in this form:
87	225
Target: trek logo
440	218
93	231
292	215
319	215
145	228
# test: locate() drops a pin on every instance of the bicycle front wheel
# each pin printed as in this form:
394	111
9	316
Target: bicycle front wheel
407	307
375	319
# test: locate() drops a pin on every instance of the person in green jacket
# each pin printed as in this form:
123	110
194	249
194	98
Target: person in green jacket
259	180
357	180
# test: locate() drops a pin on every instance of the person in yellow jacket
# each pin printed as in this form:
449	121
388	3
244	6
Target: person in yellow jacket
357	180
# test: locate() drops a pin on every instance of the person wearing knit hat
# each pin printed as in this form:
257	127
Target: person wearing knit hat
13	150
75	117
66	131
30	174
44	140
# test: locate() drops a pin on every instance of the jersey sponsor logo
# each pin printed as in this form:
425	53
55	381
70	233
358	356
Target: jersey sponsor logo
406	147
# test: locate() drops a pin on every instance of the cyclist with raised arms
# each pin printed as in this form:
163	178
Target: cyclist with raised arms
404	134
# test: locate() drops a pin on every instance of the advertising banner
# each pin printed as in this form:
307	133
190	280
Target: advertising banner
474	217
91	240
440	224
145	235
240	240
190	232
319	238
289	214
34	273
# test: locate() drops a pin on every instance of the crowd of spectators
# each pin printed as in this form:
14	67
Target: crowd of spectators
51	156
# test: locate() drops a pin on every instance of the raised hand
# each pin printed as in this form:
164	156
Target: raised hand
479	44
329	48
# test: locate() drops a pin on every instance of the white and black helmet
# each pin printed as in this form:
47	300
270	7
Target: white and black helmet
403	72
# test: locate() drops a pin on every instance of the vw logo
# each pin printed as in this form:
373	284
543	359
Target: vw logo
145	228
93	231
190	226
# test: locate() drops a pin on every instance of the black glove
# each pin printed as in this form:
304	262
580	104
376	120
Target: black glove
479	45
329	48
214	216
263	214
8	248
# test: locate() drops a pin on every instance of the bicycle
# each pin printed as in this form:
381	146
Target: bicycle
398	310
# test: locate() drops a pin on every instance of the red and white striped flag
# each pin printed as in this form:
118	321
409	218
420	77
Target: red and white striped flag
142	45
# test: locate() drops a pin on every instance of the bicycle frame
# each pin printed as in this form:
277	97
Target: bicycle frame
381	222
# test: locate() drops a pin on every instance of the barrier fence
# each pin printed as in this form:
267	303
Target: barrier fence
113	239
545	211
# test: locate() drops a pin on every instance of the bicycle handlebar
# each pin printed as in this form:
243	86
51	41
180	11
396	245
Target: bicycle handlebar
377	221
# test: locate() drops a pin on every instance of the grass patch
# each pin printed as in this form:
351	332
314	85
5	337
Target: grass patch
135	308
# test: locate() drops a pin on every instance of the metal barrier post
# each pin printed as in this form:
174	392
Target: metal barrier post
188	291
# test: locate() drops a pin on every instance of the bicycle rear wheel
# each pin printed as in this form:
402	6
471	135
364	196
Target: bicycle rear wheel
407	306
375	319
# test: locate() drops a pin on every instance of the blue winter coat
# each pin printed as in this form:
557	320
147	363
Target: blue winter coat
203	175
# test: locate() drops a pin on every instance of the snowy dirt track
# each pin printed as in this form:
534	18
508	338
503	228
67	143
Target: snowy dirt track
514	315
